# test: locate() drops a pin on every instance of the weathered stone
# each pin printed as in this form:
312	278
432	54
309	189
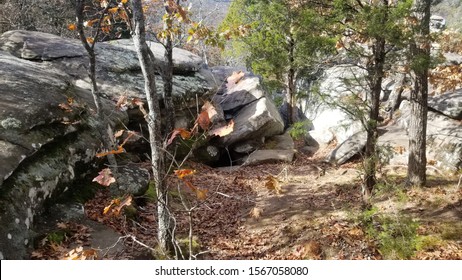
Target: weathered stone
117	65
448	104
46	141
257	119
277	148
133	179
443	138
236	96
349	148
34	45
269	156
184	62
329	121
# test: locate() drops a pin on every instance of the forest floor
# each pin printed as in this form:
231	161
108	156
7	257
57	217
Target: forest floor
303	210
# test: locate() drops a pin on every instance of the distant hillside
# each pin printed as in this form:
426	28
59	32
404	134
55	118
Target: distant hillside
451	10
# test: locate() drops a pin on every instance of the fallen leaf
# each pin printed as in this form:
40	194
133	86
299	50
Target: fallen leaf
104	177
256	212
119	133
119	150
203	120
210	109
179	131
224	130
72	27
272	184
65	107
181	173
201	194
125	202
122	103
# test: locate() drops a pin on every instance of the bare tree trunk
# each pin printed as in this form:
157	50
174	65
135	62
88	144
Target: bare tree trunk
420	53
167	77
375	77
154	125
102	122
291	90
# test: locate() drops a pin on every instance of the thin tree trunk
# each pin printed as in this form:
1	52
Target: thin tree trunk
291	91
154	126
376	73
420	51
102	122
167	75
375	76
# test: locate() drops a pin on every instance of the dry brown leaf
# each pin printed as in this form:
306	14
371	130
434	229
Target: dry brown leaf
122	103
256	212
203	120
179	131
119	133
104	177
210	109
127	201
65	107
224	130
272	184
201	193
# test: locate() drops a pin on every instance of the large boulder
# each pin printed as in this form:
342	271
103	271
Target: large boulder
254	114
45	145
329	121
349	148
448	104
47	120
117	65
444	136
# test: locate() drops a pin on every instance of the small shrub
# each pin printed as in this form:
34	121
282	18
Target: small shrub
299	129
396	236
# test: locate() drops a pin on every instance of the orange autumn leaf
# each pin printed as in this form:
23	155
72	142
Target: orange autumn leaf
125	202
181	173
179	131
210	109
109	207
119	150
203	120
104	177
90	40
201	194
90	23
224	130
72	27
113	10
272	184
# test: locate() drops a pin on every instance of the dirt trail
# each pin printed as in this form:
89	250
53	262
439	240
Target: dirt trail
315	215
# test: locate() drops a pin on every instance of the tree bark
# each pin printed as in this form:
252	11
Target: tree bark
167	76
375	77
420	54
291	89
147	64
102	122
